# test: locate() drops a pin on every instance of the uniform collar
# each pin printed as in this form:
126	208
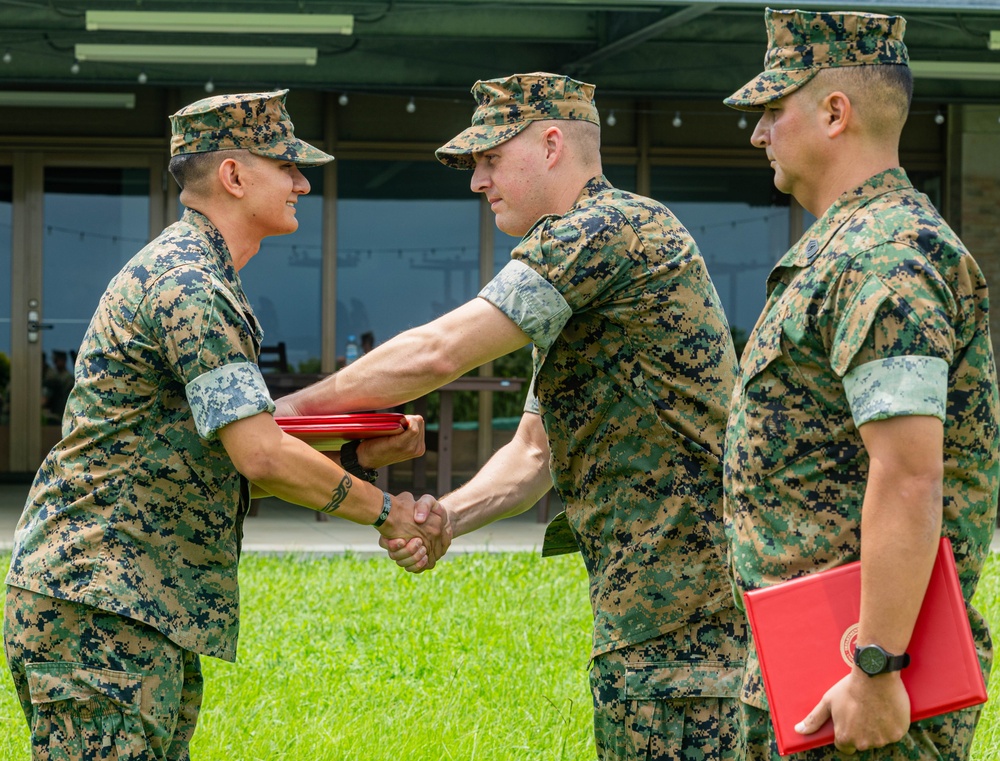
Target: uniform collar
817	237
222	259
595	186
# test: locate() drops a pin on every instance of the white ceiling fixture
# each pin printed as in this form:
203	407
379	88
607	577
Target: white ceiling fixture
53	99
196	54
955	70
220	23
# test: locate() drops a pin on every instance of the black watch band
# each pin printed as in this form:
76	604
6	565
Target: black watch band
349	462
873	660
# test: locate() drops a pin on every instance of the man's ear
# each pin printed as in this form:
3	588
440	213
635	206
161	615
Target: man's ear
837	113
231	177
553	142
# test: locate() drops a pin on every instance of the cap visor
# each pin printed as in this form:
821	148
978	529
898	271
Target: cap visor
458	153
768	86
296	151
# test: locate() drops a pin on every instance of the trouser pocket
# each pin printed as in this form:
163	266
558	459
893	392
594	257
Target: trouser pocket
81	712
682	710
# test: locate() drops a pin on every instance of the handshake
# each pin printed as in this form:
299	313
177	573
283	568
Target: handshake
417	532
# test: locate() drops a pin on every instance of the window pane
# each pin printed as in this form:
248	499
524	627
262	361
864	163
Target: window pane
94	220
6	279
407	246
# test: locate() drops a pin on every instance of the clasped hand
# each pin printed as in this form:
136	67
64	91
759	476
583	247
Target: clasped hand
422	525
868	712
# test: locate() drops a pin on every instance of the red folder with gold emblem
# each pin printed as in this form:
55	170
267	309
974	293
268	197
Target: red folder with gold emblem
805	631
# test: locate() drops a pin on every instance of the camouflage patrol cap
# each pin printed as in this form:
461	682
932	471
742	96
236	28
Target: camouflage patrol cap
801	43
256	121
508	105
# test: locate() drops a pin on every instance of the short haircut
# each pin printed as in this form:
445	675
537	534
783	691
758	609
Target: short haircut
191	170
585	135
881	94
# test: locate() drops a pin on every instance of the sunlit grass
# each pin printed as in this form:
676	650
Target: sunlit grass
346	658
349	658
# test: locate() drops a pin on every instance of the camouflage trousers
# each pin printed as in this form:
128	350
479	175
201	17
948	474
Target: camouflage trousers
95	685
675	697
942	738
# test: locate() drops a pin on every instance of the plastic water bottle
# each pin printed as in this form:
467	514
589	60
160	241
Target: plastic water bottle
351	351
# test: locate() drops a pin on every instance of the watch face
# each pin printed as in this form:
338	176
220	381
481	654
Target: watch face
871	660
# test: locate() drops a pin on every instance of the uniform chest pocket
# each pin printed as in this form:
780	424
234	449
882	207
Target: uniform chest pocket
778	414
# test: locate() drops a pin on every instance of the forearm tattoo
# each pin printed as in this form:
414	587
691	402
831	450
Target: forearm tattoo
339	494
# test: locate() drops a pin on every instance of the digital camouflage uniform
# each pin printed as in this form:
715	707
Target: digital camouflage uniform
125	559
871	315
633	369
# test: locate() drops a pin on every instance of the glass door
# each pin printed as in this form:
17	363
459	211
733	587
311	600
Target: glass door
94	220
68	223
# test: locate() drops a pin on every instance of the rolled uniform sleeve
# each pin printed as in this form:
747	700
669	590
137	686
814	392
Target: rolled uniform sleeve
897	386
211	347
530	301
892	339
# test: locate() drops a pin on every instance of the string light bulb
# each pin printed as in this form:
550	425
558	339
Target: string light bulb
7	57
677	122
411	106
75	67
142	78
210	86
612	120
939	117
343	99
742	123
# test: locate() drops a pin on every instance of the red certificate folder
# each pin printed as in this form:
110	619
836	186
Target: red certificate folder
805	631
330	432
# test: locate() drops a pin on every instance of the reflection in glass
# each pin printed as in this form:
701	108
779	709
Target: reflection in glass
6	279
94	221
407	246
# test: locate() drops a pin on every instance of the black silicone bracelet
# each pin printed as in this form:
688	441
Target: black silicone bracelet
386	507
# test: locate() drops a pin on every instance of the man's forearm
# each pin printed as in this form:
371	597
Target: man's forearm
412	364
512	481
396	372
900	531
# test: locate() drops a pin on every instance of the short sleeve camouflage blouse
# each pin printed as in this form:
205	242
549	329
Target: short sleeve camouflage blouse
878	288
137	509
634	367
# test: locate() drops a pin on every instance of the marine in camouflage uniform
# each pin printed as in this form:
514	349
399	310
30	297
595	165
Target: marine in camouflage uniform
633	370
877	313
125	561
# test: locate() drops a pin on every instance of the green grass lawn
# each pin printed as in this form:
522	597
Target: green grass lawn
483	658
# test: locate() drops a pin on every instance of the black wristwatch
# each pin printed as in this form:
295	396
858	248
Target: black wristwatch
873	660
349	462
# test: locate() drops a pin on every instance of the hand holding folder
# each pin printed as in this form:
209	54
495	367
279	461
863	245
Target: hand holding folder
805	629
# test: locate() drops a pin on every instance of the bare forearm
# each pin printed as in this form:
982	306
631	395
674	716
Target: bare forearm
396	372
296	473
900	529
414	363
289	469
512	481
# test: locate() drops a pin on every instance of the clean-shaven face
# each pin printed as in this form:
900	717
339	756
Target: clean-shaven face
510	178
